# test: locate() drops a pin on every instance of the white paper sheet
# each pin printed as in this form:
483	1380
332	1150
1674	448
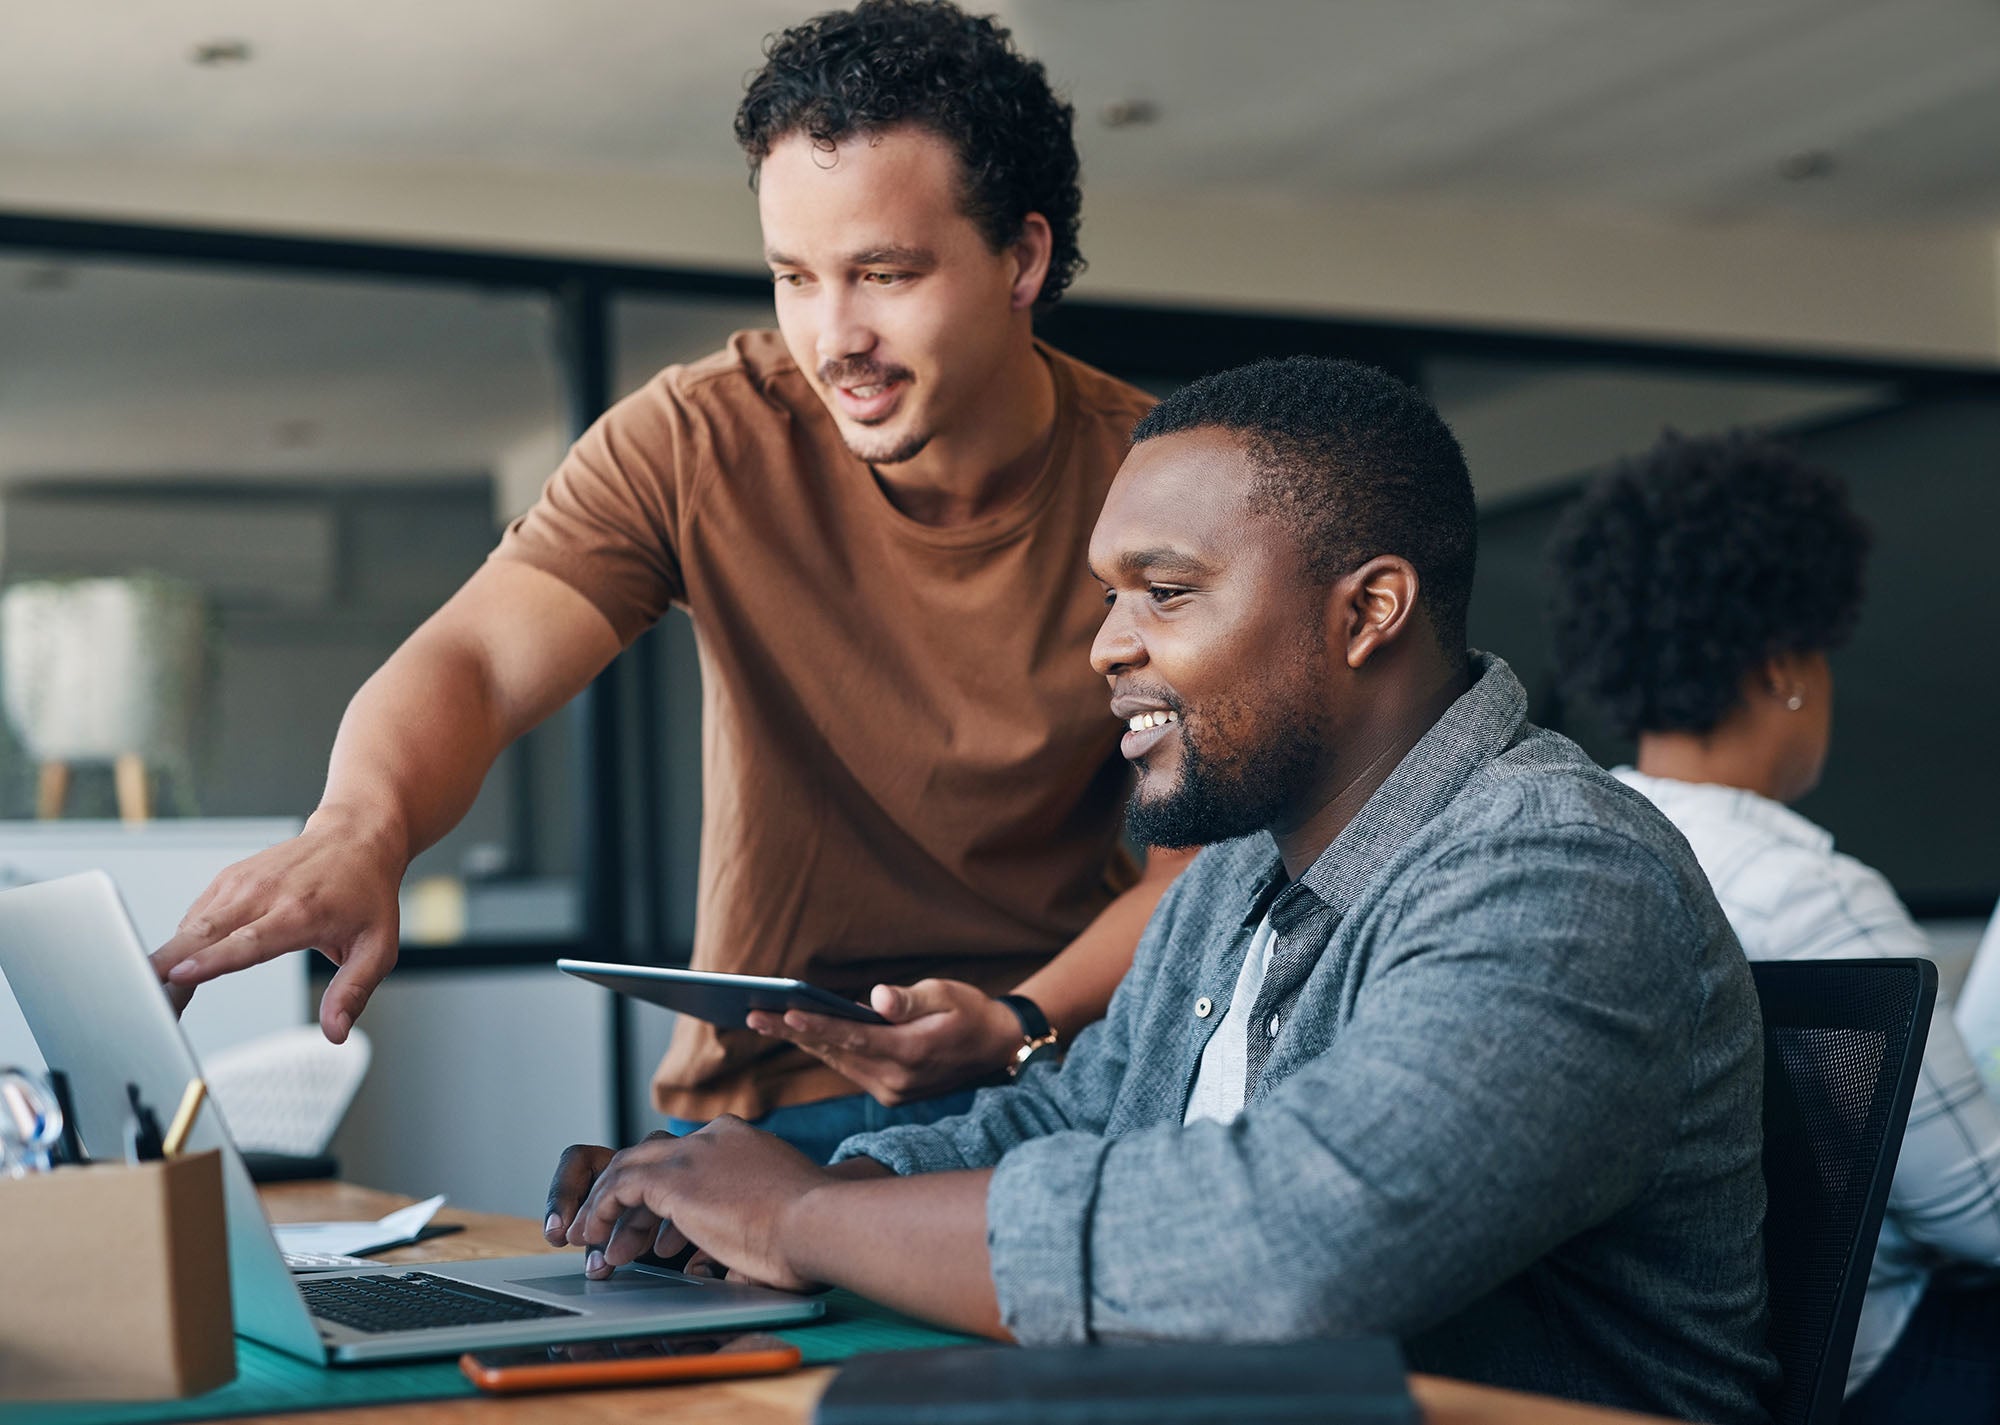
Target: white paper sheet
352	1238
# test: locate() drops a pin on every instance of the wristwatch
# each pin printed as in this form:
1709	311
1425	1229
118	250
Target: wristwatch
1038	1036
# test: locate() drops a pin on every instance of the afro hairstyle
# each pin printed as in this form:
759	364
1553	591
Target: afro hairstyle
1681	571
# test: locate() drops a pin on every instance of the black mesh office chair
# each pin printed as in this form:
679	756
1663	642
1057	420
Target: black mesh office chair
1843	1040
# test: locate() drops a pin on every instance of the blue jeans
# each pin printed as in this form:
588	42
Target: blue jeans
816	1129
1944	1368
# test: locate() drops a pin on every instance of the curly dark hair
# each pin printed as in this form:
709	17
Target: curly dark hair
1354	463
1680	571
926	62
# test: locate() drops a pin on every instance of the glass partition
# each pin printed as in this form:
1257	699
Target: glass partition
225	498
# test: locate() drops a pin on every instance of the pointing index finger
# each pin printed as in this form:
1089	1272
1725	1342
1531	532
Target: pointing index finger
191	938
249	944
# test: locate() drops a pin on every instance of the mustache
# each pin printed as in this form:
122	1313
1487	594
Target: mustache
855	371
1154	694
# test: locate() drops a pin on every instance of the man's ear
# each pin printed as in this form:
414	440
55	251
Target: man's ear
1031	252
1370	608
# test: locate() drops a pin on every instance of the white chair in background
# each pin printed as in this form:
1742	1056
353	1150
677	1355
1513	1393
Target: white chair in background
287	1092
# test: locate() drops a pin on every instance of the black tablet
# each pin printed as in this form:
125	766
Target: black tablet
720	999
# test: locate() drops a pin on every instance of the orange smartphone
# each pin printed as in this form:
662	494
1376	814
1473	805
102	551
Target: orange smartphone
578	1365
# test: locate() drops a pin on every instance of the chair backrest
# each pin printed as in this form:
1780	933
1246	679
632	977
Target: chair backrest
1843	1041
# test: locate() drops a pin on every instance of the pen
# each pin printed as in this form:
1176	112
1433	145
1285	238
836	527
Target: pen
177	1131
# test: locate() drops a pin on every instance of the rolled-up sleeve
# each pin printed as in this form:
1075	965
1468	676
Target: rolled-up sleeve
999	1120
1038	1210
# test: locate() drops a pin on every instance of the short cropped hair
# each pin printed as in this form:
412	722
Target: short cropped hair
1681	571
928	63
1354	463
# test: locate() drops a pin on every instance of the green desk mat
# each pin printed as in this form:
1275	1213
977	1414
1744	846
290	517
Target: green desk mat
269	1382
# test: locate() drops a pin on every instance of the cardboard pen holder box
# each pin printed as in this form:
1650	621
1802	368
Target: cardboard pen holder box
114	1282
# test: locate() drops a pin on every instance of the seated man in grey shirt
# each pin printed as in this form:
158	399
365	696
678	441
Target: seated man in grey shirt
1443	1035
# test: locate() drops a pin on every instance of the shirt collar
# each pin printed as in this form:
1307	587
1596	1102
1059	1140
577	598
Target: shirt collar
1265	875
1483	722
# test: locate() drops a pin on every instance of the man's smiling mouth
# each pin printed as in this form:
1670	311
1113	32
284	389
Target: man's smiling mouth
870	403
1146	730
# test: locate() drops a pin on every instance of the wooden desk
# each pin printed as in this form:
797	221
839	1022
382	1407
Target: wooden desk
772	1400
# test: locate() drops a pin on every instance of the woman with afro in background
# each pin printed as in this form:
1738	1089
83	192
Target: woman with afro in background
1697	593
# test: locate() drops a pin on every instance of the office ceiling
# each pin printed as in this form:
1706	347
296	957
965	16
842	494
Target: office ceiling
1832	110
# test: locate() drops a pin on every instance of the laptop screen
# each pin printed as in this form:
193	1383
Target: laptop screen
90	997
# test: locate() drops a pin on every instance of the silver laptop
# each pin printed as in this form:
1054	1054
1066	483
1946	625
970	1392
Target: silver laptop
70	953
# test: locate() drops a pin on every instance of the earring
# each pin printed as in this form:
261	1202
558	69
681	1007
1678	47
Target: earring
1795	702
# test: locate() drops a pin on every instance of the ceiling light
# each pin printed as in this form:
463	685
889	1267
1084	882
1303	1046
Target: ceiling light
1804	166
1128	113
221	54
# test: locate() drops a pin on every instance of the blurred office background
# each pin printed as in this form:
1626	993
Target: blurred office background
299	305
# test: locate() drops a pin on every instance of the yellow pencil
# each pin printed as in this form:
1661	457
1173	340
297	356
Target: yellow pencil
177	1131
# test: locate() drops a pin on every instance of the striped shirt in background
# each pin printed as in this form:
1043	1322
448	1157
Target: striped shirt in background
1791	896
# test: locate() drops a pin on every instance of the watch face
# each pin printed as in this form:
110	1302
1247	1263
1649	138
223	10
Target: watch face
1046	1052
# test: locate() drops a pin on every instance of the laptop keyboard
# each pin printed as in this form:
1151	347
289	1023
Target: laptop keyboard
417	1301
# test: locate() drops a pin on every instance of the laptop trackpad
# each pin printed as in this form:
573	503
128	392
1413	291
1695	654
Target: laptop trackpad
575	1283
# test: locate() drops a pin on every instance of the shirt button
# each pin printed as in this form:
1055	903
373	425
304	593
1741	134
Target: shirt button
1272	1027
1203	1007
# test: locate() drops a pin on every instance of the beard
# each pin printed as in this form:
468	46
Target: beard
887	450
1218	798
1243	764
884	449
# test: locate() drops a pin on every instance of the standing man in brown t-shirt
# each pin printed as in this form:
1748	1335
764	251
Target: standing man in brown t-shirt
877	518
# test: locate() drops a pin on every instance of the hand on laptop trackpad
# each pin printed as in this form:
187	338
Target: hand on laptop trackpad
575	1283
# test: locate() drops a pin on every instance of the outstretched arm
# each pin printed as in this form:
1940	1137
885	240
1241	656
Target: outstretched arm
417	740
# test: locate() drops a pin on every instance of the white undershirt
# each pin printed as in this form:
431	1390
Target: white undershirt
1218	1083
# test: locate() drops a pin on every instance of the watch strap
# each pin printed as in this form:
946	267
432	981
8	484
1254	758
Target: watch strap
1034	1024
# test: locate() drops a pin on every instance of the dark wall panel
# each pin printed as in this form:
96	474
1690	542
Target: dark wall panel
1912	785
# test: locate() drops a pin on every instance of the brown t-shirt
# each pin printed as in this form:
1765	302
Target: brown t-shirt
909	768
